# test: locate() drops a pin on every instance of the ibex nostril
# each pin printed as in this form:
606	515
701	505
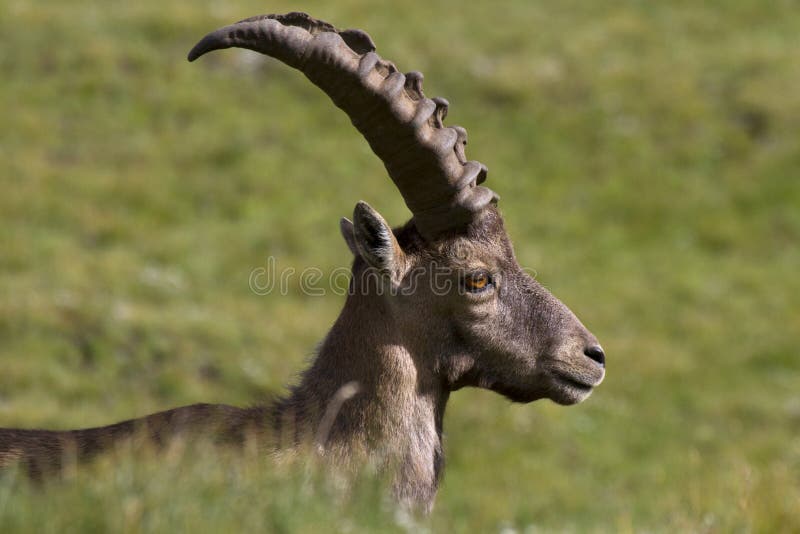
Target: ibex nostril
596	353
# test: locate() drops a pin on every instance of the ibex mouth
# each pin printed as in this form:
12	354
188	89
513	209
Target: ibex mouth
571	389
571	381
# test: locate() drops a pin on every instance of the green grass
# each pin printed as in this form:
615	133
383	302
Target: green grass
647	156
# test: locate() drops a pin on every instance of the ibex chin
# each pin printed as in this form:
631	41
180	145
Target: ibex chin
435	305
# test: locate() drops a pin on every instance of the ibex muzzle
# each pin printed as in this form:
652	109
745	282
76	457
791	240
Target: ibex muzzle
435	305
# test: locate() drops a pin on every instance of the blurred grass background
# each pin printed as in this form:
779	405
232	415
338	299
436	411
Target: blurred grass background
647	156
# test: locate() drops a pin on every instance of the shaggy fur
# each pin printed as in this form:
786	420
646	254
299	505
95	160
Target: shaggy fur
388	364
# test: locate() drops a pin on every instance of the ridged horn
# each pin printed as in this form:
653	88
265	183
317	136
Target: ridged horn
425	159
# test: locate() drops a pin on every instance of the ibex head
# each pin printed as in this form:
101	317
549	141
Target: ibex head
453	290
464	302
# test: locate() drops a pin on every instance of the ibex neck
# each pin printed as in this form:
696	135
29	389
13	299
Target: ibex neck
396	414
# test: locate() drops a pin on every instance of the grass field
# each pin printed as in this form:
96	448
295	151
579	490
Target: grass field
647	156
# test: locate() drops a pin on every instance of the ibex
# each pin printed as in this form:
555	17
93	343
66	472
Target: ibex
435	305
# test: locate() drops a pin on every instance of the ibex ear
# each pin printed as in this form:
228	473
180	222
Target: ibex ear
376	243
346	227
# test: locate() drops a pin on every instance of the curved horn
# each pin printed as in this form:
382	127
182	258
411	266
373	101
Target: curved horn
424	158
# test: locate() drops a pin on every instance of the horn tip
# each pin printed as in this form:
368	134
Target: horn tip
199	49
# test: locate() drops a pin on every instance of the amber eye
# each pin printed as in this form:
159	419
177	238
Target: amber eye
476	282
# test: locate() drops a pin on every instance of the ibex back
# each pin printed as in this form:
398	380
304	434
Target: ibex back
435	305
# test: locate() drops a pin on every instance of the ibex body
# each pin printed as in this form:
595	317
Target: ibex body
435	305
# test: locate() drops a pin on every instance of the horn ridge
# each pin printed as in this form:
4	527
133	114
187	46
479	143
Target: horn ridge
425	159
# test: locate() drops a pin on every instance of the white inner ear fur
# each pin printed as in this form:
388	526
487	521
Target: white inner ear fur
348	233
376	243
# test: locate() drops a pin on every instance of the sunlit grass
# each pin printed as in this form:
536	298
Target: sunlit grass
646	155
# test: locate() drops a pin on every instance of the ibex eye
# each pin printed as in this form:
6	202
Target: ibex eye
477	282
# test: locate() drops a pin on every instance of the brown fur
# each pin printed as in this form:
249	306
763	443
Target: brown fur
398	357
